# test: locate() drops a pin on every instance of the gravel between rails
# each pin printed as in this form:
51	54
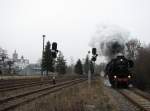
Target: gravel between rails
122	103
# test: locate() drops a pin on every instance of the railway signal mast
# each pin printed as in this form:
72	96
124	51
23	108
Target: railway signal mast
94	53
94	57
53	53
54	50
91	66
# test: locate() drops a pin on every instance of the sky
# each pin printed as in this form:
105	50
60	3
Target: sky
70	23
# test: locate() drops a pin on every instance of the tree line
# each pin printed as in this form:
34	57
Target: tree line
59	64
140	54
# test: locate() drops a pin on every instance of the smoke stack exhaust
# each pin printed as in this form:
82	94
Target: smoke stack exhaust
110	40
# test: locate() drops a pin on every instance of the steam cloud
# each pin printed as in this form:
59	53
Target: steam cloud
110	40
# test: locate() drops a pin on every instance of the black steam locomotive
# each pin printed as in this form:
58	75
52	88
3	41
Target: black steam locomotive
119	71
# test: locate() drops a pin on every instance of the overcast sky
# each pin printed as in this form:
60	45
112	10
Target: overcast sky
70	23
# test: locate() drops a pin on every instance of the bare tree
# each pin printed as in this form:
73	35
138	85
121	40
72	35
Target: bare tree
132	48
3	57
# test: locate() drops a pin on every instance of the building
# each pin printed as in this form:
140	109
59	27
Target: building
21	63
32	69
15	56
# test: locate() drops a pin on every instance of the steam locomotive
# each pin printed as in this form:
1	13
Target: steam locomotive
119	71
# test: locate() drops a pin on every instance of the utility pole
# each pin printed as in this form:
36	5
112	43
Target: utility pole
42	54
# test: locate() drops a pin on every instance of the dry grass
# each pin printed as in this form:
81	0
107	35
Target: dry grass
80	97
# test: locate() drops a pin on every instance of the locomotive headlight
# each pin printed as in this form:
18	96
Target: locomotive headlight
129	76
115	76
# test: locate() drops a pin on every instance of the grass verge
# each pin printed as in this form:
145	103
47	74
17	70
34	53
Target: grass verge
80	97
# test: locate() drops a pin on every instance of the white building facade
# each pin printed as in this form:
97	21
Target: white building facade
21	63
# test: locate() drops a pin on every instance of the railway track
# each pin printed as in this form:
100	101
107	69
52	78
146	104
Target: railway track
25	97
26	83
10	84
138	98
16	81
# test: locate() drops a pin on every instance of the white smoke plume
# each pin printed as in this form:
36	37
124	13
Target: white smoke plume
110	40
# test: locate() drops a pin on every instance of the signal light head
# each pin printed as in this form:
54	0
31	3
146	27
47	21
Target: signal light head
94	51
54	46
93	58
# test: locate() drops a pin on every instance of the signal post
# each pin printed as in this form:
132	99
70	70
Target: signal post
93	59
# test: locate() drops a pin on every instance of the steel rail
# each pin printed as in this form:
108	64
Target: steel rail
19	86
141	102
15	101
25	85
